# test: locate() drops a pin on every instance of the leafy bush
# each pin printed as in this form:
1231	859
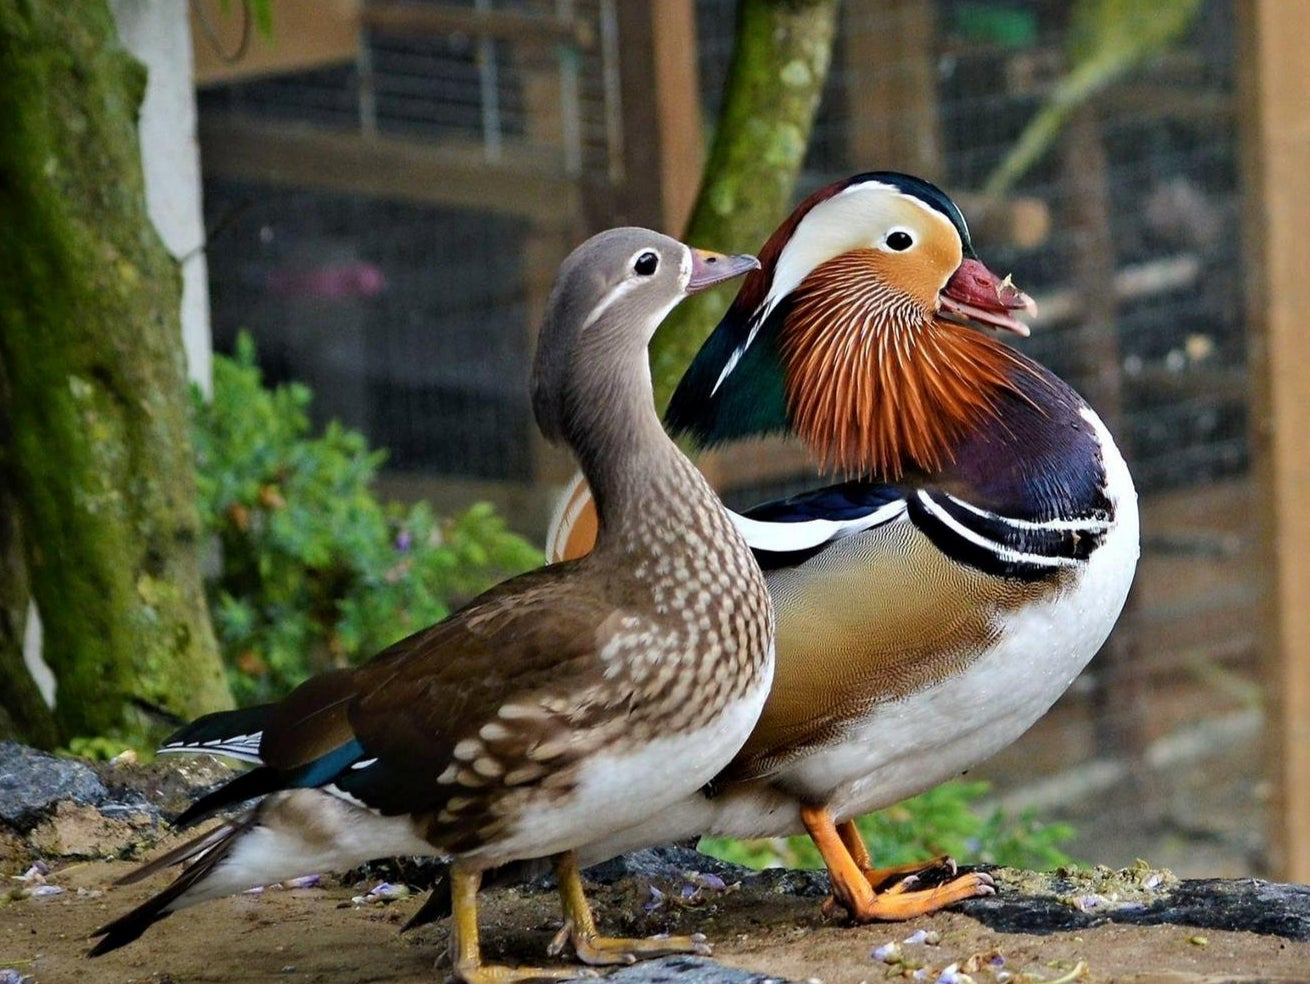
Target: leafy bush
314	571
945	820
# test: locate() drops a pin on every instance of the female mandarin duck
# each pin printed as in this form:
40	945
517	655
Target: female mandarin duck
934	604
555	709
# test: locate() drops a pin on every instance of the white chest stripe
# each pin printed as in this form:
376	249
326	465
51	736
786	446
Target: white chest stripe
810	533
1002	552
1086	525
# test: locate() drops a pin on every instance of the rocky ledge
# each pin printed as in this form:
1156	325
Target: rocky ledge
53	809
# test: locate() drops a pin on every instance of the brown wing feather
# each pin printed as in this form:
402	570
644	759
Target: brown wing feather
532	641
183	852
310	721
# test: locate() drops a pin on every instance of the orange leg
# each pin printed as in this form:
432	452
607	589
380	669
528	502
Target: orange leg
853	891
880	878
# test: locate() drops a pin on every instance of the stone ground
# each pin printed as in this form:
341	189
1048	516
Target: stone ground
1133	925
765	927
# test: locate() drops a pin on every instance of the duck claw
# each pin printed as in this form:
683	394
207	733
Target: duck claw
609	951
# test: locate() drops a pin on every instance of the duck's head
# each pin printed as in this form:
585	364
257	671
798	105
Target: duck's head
859	333
610	295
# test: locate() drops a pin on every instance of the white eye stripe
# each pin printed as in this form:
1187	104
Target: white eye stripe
634	279
615	293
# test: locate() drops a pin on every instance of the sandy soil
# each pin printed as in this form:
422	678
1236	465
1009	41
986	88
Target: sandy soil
319	934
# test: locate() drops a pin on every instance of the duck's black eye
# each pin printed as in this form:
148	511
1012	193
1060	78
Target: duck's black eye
646	264
899	241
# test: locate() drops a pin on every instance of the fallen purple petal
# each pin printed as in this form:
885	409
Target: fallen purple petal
656	900
929	937
889	953
35	874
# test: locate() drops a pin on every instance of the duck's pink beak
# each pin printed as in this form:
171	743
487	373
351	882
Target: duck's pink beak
977	296
708	269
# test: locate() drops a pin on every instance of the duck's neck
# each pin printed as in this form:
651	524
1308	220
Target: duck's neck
639	479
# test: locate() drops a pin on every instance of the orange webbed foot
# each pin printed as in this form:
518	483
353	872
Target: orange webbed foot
903	901
869	894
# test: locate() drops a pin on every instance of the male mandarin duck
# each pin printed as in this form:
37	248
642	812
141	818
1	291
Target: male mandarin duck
555	709
934	603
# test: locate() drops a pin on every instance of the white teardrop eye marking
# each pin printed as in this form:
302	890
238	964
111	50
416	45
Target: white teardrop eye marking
898	239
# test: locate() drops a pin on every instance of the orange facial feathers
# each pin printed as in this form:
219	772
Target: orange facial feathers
876	383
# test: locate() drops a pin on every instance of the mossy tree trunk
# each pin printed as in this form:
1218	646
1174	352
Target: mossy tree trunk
780	60
98	452
23	711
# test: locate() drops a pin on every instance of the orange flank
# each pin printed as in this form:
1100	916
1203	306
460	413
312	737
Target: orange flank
573	528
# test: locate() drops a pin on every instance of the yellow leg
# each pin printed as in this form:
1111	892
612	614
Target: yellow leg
854	893
465	952
881	878
599	951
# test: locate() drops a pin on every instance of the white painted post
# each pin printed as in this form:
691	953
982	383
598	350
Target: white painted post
158	34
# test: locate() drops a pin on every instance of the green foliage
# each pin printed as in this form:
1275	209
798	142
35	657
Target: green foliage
315	572
102	748
945	820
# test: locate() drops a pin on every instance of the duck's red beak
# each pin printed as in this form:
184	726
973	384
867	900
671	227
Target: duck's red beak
977	296
708	269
